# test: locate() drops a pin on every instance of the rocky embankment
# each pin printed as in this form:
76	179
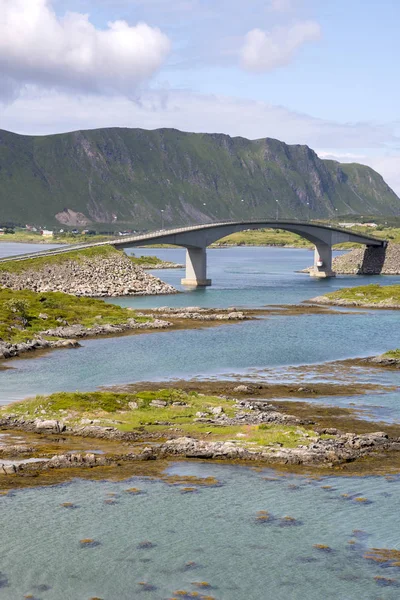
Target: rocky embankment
112	274
369	261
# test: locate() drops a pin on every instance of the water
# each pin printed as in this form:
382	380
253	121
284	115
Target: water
216	527
12	249
250	277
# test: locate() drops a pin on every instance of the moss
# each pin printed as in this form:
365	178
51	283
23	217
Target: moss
134	491
322	547
59	308
386	556
188	490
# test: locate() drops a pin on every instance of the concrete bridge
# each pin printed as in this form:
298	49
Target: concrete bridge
197	237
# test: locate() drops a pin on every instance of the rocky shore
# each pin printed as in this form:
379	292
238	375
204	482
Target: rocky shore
68	334
109	274
369	261
325	447
196	313
158	318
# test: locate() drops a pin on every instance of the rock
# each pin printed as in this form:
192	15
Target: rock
49	425
111	275
133	405
158	403
242	389
43	316
217	410
8	469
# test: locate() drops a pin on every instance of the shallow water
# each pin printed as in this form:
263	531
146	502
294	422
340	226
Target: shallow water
215	528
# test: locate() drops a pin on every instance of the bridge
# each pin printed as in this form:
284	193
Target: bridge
196	238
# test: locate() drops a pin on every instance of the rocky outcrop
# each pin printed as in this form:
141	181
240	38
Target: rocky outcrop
12	350
197	314
369	261
67	332
111	275
340	449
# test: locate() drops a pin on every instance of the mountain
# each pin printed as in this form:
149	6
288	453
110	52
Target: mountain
146	178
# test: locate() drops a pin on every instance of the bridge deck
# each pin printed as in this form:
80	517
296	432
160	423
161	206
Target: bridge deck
124	241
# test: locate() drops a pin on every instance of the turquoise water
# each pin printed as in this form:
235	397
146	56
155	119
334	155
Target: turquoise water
216	528
261	276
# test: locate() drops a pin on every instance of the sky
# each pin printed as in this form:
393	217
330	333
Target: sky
319	72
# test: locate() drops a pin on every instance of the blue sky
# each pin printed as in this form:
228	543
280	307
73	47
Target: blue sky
316	72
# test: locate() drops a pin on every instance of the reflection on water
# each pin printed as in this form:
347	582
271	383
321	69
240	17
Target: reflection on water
173	541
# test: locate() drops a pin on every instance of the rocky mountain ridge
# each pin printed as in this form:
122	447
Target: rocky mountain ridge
150	179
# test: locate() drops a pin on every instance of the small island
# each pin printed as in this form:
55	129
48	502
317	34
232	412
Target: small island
120	429
366	296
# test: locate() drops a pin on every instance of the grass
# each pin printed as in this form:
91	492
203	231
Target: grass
380	295
20	310
40	262
392	354
280	237
264	237
148	261
113	409
28	237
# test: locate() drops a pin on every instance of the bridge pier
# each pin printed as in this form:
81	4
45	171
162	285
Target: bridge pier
322	261
196	268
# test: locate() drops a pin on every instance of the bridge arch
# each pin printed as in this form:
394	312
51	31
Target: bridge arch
197	238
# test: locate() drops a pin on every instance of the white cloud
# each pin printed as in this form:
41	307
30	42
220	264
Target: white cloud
49	112
38	47
263	51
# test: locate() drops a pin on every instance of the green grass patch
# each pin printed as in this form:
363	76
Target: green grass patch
147	261
392	354
369	294
40	262
20	312
116	410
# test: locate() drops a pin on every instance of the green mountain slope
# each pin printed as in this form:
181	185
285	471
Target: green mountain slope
131	175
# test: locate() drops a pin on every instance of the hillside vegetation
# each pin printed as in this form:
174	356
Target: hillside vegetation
131	175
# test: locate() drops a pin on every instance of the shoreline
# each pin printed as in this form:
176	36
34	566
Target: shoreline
178	318
340	442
